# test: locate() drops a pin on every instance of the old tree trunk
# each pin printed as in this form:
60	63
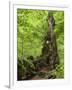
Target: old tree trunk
50	46
49	55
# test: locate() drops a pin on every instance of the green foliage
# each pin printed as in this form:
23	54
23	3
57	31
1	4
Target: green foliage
60	71
59	29
32	26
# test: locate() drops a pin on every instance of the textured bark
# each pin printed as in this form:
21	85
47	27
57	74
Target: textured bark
50	46
49	57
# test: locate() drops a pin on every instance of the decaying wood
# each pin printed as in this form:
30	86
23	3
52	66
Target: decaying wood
49	51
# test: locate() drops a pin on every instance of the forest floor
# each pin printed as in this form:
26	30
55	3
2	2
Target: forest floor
43	73
43	70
